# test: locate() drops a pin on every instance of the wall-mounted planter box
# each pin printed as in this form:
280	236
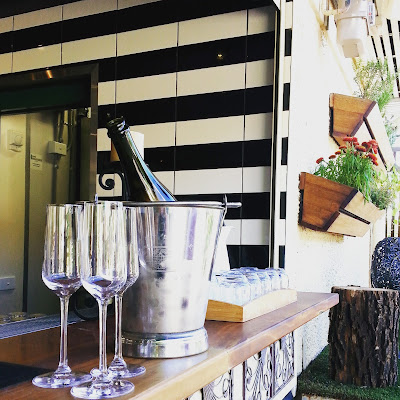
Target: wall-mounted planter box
332	207
353	116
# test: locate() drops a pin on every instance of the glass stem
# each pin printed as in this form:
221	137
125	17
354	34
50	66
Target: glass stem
118	329
63	364
102	337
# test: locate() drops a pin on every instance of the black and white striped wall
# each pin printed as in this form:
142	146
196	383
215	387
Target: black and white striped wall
196	78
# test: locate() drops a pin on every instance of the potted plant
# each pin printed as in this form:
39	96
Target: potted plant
347	193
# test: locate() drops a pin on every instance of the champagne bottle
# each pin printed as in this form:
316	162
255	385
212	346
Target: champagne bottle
141	184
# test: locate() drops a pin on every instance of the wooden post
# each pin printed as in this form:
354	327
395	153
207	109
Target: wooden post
363	336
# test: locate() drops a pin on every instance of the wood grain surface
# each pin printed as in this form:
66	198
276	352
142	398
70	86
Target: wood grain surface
230	344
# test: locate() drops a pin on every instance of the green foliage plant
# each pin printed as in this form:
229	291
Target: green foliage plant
374	81
354	165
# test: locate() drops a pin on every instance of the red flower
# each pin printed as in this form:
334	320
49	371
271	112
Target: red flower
347	139
338	152
343	147
319	160
375	162
360	148
355	140
332	156
372	156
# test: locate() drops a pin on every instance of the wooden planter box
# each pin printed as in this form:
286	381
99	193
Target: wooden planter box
353	116
332	207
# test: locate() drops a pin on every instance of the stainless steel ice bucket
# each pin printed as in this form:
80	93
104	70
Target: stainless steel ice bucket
164	311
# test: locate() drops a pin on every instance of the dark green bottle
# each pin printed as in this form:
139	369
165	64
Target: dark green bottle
141	184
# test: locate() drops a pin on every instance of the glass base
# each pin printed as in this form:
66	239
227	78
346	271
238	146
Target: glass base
120	369
93	390
54	380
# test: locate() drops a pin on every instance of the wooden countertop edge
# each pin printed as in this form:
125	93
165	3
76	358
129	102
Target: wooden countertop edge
200	375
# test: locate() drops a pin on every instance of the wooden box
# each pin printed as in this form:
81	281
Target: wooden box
332	207
354	116
220	311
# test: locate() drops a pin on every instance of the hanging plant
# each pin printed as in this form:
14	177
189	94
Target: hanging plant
374	81
353	165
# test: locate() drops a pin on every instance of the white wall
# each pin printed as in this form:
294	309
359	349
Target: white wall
316	261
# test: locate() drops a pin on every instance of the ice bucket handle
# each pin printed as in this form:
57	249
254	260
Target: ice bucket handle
234	205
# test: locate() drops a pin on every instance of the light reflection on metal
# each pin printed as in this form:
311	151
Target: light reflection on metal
220	56
49	73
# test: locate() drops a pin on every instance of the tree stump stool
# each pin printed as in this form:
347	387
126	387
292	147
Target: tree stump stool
363	336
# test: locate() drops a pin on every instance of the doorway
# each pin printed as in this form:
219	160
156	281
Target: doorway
48	126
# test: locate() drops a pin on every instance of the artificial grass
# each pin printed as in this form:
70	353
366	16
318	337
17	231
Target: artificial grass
315	380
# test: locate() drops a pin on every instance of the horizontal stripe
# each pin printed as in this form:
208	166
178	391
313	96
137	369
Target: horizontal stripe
210	130
209	80
147	15
215	27
204	8
257	153
255	231
89	49
146	112
261	20
167	178
248	256
284	151
145	88
89	26
106	93
282	206
210	105
122	4
39	57
259	100
155	62
8	8
260	47
212	53
256	179
260	73
191	57
43	35
5	42
162	12
88	7
147	39
5	63
160	158
258	126
234	230
157	135
6	24
222	180
282	249
256	205
213	155
36	18
288	42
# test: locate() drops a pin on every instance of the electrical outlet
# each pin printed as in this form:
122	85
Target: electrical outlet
7	283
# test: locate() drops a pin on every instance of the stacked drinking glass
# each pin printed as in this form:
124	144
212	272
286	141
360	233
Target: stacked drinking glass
241	285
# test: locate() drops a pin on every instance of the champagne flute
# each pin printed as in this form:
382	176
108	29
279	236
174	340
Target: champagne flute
118	367
104	272
61	273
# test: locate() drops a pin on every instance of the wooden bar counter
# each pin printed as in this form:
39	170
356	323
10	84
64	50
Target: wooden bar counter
230	344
